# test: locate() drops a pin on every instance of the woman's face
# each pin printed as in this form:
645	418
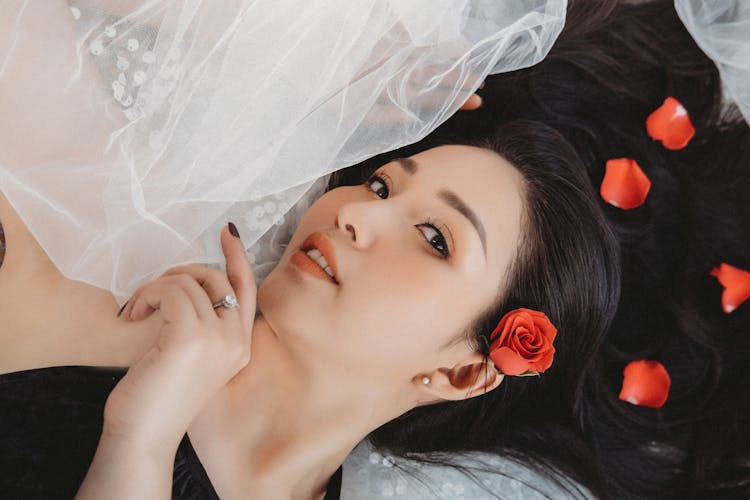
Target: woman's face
417	252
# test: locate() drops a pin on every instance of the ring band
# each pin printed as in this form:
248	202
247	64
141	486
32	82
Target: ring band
229	301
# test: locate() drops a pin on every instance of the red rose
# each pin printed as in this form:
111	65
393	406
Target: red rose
645	383
670	124
522	342
624	185
736	283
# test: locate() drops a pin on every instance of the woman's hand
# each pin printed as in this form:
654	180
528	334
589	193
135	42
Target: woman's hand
198	350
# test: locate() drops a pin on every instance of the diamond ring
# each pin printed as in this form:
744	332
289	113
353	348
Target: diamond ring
229	301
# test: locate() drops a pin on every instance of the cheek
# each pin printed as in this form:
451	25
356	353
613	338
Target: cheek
396	314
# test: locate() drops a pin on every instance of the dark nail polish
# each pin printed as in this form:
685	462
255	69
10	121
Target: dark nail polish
233	230
119	313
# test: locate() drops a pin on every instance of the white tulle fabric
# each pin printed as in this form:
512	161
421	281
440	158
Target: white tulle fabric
721	28
371	475
132	131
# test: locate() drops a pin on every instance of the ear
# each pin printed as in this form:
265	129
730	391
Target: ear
471	377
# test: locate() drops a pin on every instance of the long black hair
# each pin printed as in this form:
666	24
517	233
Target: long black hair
620	285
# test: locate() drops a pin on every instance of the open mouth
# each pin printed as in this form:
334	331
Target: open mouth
317	256
319	259
310	265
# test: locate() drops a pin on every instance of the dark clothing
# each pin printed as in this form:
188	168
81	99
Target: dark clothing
50	423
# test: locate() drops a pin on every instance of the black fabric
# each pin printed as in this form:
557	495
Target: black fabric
334	485
50	423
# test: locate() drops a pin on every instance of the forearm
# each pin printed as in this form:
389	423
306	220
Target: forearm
123	469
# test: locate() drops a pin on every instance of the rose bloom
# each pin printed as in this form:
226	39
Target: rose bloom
522	342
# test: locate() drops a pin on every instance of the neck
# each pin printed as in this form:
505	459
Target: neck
288	429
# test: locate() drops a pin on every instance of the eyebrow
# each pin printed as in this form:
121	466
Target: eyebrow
409	166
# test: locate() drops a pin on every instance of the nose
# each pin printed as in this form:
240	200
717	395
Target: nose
360	221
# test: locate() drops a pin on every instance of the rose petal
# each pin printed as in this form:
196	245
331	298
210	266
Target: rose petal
645	383
736	284
624	185
500	335
543	361
521	320
670	124
508	361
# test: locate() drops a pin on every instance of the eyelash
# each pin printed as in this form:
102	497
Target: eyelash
432	224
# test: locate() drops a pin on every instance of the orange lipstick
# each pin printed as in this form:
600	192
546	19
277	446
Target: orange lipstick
306	264
324	245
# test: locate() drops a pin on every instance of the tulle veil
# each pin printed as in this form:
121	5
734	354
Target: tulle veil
131	131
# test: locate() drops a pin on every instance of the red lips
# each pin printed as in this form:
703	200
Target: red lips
325	247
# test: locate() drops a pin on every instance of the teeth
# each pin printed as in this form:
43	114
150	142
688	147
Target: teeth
315	255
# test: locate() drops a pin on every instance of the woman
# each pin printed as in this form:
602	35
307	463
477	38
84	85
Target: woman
377	366
345	373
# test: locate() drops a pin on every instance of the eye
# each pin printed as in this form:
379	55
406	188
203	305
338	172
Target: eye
435	238
378	185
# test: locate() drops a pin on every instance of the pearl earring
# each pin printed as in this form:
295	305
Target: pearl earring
426	380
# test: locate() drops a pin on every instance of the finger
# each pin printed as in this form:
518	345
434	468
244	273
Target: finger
215	282
139	309
440	75
172	301
192	269
472	103
383	114
239	273
196	296
202	301
127	308
126	312
442	98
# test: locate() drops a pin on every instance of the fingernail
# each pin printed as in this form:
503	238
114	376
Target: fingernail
119	313
233	230
479	98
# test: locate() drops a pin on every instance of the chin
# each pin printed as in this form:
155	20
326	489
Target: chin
278	304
